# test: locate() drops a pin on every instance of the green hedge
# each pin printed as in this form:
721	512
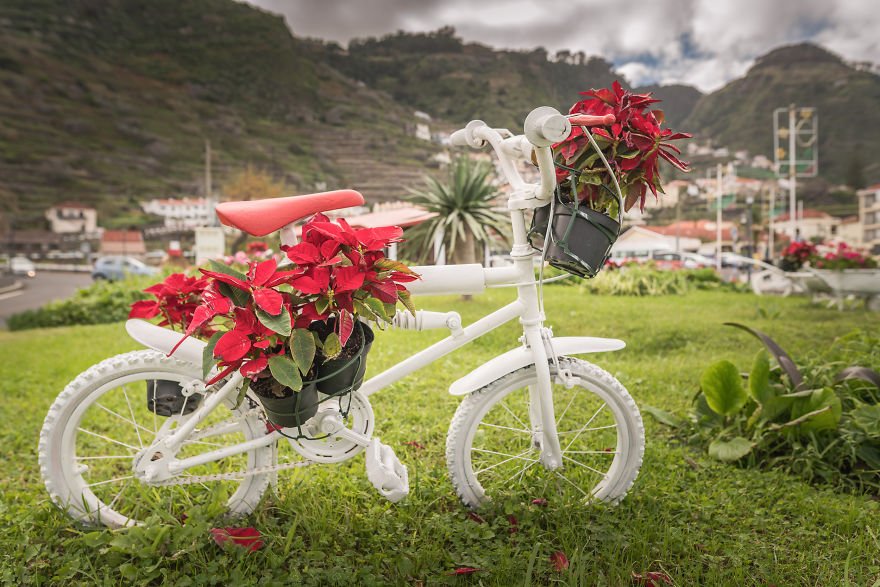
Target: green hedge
101	302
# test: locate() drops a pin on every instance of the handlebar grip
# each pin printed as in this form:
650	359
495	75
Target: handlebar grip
459	138
590	120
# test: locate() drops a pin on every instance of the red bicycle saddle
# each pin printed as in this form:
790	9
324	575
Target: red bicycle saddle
261	217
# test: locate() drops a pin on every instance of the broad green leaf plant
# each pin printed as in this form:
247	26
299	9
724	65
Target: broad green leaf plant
814	420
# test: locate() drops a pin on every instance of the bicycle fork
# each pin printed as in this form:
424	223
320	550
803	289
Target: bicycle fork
541	413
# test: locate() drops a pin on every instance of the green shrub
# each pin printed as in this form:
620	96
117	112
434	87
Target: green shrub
101	302
819	420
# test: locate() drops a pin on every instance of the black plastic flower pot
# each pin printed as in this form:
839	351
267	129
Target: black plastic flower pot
165	398
346	372
581	240
292	410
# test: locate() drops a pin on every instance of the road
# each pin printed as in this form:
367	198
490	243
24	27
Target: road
45	287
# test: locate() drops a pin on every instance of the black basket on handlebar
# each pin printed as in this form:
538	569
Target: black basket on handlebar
577	239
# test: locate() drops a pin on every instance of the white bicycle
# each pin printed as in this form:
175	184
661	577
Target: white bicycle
534	420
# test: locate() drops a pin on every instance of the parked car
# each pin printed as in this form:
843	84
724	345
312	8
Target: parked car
667	259
117	267
22	266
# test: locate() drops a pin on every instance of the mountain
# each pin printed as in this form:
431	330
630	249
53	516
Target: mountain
110	102
439	74
677	102
739	115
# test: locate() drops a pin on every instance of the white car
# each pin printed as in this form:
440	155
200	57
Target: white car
22	266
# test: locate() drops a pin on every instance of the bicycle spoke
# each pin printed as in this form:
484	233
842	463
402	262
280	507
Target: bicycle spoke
591	452
570	482
133	419
95	458
114	480
101	436
529	432
521	472
515	417
571	401
587	429
590	421
588	467
512	457
124	419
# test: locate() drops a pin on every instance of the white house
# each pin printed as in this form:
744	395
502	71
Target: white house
869	217
72	217
638	241
181	212
811	224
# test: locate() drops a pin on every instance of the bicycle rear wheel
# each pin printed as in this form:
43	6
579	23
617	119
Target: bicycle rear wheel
100	424
492	453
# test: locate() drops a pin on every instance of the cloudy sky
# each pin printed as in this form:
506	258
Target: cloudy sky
705	43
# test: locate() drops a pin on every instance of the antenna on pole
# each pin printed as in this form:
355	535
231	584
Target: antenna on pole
209	191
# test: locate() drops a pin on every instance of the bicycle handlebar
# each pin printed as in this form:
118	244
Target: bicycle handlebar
590	120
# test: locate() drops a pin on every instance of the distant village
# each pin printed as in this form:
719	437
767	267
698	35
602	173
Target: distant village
74	234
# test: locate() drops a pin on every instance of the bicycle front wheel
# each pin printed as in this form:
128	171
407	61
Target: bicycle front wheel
492	452
100	424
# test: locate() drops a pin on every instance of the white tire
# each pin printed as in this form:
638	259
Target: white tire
100	422
492	454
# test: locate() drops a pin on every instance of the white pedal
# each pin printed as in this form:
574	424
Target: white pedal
385	471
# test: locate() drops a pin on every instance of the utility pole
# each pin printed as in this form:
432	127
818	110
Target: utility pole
792	173
209	191
771	231
718	198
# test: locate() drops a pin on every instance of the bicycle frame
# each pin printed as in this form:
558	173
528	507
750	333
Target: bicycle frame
462	279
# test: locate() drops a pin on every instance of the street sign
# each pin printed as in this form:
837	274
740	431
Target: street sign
210	243
796	141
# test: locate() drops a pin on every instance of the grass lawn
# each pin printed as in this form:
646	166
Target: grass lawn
701	522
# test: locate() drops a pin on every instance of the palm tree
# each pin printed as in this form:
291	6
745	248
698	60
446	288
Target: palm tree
463	204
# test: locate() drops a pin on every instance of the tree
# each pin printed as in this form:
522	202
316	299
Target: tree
251	184
463	204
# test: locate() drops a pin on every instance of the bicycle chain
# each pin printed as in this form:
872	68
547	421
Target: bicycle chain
236	476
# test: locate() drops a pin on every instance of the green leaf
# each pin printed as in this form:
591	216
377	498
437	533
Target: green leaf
279	323
406	299
722	385
387	264
242	392
362	310
208	354
730	450
664	417
239	297
775	407
759	378
302	349
219	267
819	399
378	308
332	346
390	310
321	304
285	372
868	419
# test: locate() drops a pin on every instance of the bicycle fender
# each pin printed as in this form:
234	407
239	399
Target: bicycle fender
163	340
520	357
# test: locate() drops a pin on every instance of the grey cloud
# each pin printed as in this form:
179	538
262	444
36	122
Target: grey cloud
701	42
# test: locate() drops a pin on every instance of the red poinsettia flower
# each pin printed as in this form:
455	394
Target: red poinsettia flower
633	146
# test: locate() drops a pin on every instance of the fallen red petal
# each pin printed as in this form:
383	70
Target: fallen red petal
540	501
465	571
476	517
514	524
559	560
415	444
248	538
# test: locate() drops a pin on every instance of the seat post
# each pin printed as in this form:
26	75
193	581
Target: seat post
288	235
